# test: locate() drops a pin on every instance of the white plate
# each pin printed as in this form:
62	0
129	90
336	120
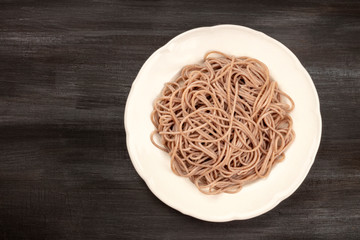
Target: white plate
153	165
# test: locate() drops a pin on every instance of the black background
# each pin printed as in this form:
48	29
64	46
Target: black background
66	68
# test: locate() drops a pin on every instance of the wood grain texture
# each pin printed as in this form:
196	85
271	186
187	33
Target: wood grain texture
66	68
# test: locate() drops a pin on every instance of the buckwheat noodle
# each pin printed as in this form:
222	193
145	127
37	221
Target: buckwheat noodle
223	122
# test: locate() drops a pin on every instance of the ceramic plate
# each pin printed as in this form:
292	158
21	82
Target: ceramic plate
153	165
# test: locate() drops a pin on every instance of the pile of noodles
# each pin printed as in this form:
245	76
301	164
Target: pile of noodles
223	122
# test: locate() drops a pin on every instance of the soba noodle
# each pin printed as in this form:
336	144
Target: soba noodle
223	122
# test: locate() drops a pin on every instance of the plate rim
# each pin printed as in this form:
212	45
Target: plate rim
277	198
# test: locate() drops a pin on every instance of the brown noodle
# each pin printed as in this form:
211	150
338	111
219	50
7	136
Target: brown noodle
223	123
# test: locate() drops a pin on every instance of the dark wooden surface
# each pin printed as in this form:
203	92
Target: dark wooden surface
66	68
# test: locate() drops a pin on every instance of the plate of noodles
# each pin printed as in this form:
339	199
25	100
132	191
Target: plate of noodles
223	123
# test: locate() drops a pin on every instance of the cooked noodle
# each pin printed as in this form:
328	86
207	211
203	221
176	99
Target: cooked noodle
223	122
